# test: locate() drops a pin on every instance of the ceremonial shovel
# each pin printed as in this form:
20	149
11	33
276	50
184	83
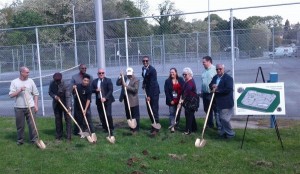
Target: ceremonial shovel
82	134
91	138
39	142
177	110
110	138
155	125
132	121
199	142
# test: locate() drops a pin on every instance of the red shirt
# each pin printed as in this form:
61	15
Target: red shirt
177	89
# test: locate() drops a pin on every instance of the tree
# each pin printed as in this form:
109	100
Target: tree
167	23
26	19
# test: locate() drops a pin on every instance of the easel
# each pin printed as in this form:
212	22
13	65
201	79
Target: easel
274	119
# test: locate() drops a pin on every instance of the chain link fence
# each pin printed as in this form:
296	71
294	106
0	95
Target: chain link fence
168	46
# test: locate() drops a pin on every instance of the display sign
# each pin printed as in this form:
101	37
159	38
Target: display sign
259	99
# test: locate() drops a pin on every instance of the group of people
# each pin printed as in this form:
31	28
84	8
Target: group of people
179	91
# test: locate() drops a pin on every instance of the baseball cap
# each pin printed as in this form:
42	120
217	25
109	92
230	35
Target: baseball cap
129	71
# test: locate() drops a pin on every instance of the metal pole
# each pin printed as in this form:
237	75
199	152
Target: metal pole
75	40
273	46
13	57
126	43
197	49
209	39
33	62
89	54
23	56
100	34
40	70
61	61
232	43
55	55
164	52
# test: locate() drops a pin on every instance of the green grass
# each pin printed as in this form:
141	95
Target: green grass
165	153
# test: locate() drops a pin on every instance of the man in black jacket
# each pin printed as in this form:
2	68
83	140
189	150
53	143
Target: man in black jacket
222	85
150	85
58	90
105	85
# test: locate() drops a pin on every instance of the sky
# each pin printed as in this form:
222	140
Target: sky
289	12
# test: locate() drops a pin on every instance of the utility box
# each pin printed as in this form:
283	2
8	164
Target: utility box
273	77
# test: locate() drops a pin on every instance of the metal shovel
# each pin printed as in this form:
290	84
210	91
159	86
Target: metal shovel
201	142
154	124
40	144
89	137
82	135
132	121
110	138
176	114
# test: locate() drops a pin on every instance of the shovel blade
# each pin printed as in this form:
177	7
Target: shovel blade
111	139
132	123
90	139
200	143
156	126
40	144
94	137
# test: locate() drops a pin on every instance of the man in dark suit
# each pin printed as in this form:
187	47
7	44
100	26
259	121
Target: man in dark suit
150	85
222	86
105	85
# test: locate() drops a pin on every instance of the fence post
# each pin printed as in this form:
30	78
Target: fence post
40	70
126	43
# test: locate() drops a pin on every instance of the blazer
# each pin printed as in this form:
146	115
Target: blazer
150	83
169	89
224	93
132	91
61	90
106	89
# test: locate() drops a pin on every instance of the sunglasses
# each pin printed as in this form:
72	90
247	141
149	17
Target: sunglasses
100	72
184	75
82	68
145	60
218	69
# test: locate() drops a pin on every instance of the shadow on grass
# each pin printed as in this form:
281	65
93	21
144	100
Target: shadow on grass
50	132
11	136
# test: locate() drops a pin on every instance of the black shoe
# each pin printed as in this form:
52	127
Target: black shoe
20	143
187	133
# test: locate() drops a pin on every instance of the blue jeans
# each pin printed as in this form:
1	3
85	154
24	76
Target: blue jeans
172	111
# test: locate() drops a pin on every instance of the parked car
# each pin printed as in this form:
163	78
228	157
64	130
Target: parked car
282	52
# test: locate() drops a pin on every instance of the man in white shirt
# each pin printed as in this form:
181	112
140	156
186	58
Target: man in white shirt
22	89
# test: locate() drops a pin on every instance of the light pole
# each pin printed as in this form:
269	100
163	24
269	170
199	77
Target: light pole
74	28
208	35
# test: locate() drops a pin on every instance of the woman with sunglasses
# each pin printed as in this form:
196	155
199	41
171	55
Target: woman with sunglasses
190	101
173	89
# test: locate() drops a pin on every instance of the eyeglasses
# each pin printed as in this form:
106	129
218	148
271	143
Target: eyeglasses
219	69
100	72
145	60
184	75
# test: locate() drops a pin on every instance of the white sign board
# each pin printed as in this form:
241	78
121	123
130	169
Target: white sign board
259	99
